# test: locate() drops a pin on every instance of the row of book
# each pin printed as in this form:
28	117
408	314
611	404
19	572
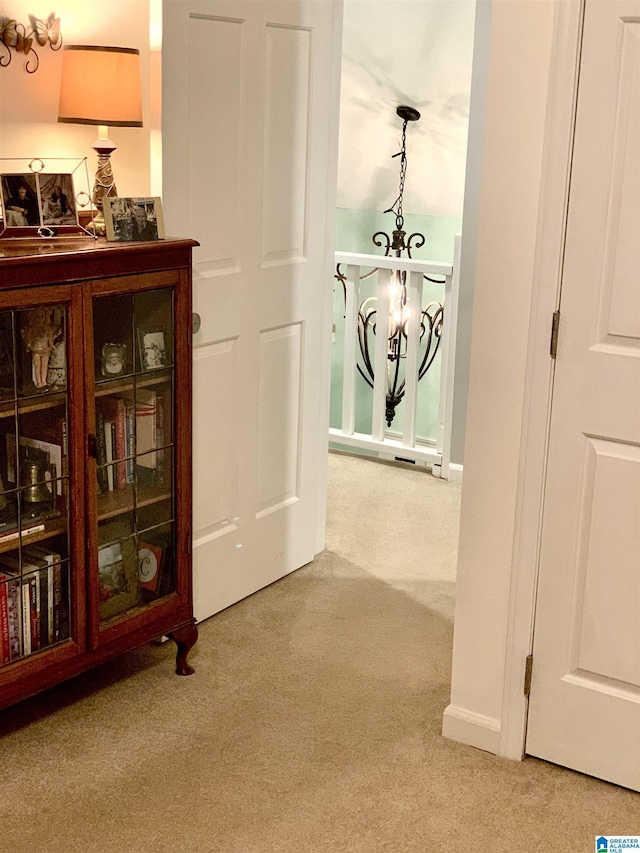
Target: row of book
126	429
34	602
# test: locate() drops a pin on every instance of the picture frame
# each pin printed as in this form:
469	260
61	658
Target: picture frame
21	209
152	347
114	360
38	203
58	200
133	219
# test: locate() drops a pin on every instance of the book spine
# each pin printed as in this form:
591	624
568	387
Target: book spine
50	603
24	531
102	452
5	649
108	438
43	609
34	605
15	618
121	444
57	602
160	437
129	425
26	619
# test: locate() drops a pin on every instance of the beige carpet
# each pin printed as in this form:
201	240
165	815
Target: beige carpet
312	722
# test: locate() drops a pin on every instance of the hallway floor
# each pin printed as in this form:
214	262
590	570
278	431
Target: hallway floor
312	723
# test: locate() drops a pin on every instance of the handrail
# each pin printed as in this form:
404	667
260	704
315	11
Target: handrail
392	263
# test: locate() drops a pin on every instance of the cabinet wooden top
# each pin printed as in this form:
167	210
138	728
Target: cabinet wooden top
25	263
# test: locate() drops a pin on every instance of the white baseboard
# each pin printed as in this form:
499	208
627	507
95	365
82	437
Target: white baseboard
455	472
471	728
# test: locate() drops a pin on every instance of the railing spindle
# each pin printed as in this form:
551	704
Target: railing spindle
380	358
349	370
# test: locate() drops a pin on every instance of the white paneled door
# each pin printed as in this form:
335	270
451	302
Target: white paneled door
250	104
584	708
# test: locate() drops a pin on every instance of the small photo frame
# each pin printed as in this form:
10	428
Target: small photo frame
133	219
114	360
58	200
20	202
153	353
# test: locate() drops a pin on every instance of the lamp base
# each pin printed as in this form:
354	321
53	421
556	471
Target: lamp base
104	184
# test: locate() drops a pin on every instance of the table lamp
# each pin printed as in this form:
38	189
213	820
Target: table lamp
101	86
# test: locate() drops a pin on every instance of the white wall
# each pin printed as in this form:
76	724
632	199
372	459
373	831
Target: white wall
29	102
405	52
520	43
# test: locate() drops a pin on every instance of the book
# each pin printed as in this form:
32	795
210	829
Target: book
160	436
114	410
36	587
5	652
130	439
48	559
101	449
149	565
61	626
109	448
146	438
29	615
15	617
37	527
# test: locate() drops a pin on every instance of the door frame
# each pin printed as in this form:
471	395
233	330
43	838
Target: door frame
324	413
540	369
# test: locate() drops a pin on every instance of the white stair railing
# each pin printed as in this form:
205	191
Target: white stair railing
353	267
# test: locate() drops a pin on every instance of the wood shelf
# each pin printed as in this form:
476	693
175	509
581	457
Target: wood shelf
111	504
127	383
24	405
52	527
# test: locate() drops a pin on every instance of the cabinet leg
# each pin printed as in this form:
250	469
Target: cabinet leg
185	639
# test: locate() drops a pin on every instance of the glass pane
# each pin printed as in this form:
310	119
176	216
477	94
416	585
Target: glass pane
154	329
115	426
7	357
40	338
154	431
154	512
156	562
117	569
135	435
40	461
113	337
34	600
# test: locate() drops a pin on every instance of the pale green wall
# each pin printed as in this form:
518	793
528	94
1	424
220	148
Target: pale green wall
354	229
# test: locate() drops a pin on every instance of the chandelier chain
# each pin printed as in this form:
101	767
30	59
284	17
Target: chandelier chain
396	207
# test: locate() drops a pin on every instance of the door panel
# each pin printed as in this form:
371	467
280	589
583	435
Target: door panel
585	701
249	95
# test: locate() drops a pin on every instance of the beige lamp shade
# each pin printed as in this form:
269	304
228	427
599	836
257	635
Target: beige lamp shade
101	86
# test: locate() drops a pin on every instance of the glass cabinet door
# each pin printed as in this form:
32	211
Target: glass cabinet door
35	600
134	431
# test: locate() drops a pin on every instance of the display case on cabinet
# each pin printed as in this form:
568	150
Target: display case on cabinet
95	455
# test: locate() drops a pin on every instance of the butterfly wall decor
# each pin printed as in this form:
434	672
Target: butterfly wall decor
21	39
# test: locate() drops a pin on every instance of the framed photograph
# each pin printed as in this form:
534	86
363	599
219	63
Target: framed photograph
38	203
57	198
133	219
153	353
114	360
20	202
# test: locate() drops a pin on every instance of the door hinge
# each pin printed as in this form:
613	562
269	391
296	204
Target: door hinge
528	671
555	327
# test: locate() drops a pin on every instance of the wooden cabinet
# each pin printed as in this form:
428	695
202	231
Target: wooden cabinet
95	455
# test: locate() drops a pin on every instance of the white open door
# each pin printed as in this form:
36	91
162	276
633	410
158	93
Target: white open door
584	708
250	124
